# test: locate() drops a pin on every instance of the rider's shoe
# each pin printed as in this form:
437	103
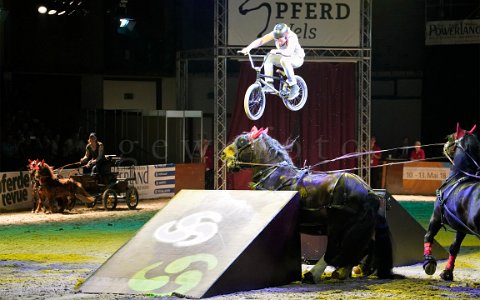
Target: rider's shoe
294	91
285	90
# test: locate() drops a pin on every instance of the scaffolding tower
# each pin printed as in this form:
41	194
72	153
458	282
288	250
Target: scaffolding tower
221	52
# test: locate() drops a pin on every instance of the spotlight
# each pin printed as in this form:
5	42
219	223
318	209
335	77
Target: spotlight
42	9
62	12
52	12
127	23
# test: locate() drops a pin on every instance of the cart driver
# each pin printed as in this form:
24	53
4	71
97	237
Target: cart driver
288	55
94	155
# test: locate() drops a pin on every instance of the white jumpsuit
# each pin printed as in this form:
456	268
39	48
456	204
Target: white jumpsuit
290	55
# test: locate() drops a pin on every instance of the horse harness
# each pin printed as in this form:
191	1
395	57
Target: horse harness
297	179
442	194
245	143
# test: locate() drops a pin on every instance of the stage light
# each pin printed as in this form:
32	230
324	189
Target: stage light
125	22
52	12
62	12
42	9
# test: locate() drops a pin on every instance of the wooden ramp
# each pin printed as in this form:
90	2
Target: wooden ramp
407	234
207	243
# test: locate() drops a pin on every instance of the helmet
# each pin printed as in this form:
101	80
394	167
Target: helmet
279	30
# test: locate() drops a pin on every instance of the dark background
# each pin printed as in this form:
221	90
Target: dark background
44	57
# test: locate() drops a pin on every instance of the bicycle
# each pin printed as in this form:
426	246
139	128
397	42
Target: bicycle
254	101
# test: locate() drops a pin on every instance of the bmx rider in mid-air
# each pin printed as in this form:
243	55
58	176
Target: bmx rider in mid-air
288	54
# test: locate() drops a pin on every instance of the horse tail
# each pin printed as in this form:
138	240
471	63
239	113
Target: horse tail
380	252
383	251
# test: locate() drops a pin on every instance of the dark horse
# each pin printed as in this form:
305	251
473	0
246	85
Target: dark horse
340	204
458	199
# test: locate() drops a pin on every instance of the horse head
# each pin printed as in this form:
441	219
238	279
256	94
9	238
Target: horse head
44	171
464	148
254	148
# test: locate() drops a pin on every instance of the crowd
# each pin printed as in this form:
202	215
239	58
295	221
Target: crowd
25	137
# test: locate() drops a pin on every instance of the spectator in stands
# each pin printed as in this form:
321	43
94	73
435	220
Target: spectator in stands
208	156
404	151
418	153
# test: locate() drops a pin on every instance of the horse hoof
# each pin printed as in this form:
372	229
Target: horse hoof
340	273
357	271
308	278
447	275
429	265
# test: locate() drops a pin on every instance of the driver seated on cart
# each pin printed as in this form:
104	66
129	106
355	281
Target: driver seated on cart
288	55
94	159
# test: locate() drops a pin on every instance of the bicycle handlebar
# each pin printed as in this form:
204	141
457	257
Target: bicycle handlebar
251	56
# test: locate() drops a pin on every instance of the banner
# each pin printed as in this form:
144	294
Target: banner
328	23
15	191
452	32
152	182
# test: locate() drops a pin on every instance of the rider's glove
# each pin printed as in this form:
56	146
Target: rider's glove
245	51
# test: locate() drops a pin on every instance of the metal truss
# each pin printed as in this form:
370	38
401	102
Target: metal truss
220	92
221	52
364	91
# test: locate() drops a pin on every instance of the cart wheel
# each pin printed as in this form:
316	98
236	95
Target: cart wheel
109	198
131	197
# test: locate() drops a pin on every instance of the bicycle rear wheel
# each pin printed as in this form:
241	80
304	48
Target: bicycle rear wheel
254	102
298	102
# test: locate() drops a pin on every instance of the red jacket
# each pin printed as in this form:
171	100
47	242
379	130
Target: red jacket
417	154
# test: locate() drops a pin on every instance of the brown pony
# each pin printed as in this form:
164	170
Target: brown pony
37	197
63	190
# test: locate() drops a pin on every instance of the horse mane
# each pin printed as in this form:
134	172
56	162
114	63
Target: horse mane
468	155
49	170
280	149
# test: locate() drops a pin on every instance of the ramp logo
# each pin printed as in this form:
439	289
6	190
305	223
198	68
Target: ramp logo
191	230
327	23
178	276
177	273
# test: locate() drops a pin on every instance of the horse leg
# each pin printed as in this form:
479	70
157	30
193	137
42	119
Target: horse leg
447	274
315	274
366	267
429	261
349	245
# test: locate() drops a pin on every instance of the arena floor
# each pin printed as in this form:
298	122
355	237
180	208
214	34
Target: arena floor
49	256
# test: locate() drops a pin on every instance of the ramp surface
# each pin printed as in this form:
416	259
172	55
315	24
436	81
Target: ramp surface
206	243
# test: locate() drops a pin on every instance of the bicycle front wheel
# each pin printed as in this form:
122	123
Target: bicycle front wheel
298	102
254	102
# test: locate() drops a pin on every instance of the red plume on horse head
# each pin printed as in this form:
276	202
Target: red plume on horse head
255	133
461	132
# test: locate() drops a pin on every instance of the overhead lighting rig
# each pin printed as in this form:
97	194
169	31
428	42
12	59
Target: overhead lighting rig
62	7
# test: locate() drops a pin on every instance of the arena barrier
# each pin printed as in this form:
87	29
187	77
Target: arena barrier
151	181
